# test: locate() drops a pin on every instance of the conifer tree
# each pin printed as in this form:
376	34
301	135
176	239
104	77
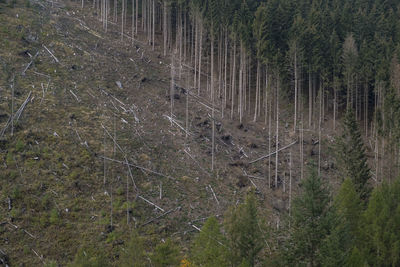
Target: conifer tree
166	254
351	156
381	224
133	254
244	232
209	246
311	222
339	248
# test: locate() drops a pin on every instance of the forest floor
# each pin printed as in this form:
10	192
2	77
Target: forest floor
98	103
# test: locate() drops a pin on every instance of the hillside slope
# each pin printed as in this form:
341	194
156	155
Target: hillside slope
96	105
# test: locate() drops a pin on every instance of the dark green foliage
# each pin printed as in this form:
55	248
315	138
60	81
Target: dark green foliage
311	222
337	248
89	257
166	254
381	227
244	232
351	156
133	253
209	246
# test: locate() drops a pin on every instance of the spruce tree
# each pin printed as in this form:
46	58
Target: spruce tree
209	247
166	254
338	249
381	227
311	222
245	236
133	254
351	156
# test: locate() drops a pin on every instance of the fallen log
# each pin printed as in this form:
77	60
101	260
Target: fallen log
273	153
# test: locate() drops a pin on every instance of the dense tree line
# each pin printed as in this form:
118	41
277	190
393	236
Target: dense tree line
322	57
321	231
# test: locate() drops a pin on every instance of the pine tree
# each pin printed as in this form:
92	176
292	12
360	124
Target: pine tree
133	254
380	227
166	254
311	222
351	156
244	232
209	247
338	248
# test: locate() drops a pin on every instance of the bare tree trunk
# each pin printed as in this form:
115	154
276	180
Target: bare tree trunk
233	78
12	105
133	22
321	96
172	83
165	28
310	100
154	25
200	55
290	181
277	132
334	102
122	20
196	30
257	90
225	72
137	16
213	101
295	91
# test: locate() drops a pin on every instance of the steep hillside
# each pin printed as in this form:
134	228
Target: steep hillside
93	152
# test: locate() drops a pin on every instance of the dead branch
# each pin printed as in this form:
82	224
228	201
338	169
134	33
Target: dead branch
198	229
215	197
16	115
273	153
30	63
76	97
160	216
51	54
198	164
151	203
138	167
172	120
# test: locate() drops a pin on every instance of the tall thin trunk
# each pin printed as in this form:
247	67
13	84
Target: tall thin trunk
213	100
310	100
200	55
165	27
277	132
154	25
257	91
233	77
295	91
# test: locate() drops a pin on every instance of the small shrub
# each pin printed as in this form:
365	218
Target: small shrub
19	146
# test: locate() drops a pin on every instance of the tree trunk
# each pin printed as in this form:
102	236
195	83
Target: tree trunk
277	132
213	100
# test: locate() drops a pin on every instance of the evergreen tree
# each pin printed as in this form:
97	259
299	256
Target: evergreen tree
381	227
133	254
89	257
338	247
166	254
209	247
311	222
245	236
352	157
